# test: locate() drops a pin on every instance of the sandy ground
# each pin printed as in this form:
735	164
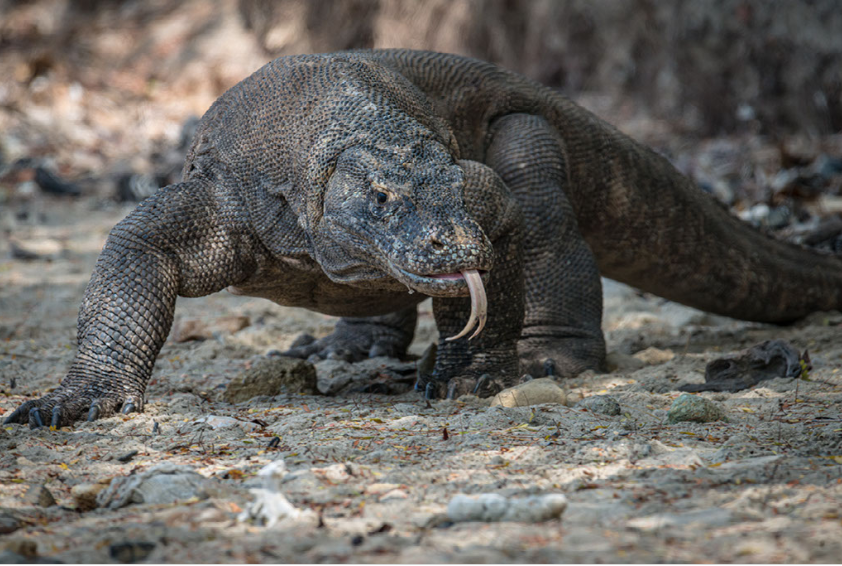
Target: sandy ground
379	470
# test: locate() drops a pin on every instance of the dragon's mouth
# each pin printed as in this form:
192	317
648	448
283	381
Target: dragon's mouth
446	282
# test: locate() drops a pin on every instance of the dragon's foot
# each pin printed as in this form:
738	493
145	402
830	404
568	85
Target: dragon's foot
560	357
352	342
78	398
462	369
482	386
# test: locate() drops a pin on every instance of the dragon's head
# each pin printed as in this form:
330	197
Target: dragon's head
395	212
374	182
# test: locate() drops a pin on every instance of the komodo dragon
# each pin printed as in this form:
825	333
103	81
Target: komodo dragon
357	184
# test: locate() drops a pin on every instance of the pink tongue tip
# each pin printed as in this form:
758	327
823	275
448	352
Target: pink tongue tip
448	276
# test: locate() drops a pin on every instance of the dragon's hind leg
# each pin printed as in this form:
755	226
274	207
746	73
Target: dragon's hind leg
355	339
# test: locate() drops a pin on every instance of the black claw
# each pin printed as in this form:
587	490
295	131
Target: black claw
56	418
93	413
549	368
419	387
451	390
128	408
35	415
430	392
377	351
13	418
481	382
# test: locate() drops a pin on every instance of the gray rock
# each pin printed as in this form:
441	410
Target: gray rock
9	523
272	376
489	507
603	404
695	409
85	494
22	547
373	375
39	495
129	552
161	484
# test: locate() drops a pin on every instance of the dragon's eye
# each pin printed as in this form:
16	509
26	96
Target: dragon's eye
380	193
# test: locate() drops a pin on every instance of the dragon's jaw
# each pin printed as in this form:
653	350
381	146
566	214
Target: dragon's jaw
455	285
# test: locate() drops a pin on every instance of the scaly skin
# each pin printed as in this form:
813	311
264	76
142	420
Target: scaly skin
340	182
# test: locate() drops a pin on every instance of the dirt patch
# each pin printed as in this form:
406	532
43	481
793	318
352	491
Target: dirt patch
98	104
380	470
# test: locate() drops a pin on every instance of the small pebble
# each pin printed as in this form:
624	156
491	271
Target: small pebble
39	495
694	408
654	356
130	552
535	392
9	523
127	456
272	376
84	494
21	546
603	404
491	507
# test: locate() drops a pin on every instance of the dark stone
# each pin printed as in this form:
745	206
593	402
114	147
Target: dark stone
768	360
272	376
130	552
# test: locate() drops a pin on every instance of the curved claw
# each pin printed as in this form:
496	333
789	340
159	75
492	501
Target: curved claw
128	407
481	382
93	413
14	417
430	392
377	351
451	390
56	417
419	386
35	415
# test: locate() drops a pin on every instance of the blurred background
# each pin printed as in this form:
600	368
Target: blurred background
98	98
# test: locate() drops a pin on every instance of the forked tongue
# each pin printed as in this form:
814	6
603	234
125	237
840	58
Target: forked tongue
479	304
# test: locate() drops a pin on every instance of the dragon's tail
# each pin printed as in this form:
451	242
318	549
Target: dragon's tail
652	228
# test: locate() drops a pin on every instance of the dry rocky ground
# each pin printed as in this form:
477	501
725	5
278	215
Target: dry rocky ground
372	468
374	473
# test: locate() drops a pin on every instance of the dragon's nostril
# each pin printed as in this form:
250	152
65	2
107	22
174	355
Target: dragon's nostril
436	243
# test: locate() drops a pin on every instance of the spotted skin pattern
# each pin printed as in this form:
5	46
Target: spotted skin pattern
341	182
